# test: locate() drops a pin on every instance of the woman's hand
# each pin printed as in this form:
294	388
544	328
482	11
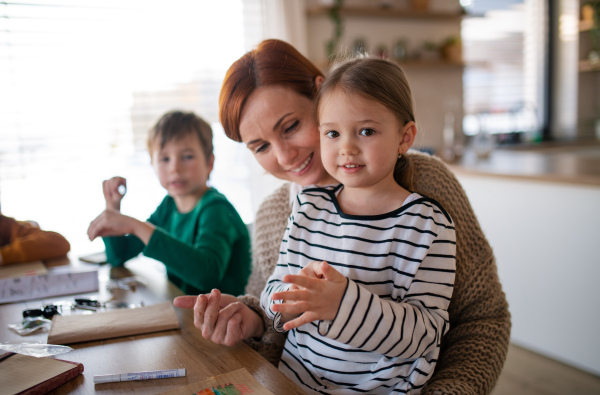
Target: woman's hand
114	191
222	318
315	294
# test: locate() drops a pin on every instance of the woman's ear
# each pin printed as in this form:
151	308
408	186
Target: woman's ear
318	81
409	132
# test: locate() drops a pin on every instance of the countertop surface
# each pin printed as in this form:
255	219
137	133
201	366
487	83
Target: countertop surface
566	163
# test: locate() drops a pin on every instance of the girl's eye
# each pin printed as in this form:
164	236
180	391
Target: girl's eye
188	157
367	132
292	127
164	159
332	134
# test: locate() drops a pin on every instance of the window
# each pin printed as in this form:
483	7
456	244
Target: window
82	81
505	48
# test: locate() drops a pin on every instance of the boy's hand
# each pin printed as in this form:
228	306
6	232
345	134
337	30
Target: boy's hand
114	190
110	223
316	294
113	223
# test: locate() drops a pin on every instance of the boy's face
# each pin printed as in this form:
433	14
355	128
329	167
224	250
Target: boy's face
182	170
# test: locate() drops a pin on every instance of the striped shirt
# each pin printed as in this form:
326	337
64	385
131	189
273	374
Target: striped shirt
400	267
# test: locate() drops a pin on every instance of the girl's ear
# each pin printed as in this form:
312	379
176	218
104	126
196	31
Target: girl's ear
318	81
409	132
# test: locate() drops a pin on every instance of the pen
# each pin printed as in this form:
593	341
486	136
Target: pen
154	374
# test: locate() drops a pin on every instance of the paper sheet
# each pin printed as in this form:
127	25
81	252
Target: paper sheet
110	324
238	382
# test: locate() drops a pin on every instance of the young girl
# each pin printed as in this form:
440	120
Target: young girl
366	267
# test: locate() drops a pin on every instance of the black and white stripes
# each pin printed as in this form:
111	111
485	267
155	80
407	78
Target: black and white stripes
400	265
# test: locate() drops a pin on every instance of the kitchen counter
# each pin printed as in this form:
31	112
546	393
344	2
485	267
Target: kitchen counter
538	208
573	163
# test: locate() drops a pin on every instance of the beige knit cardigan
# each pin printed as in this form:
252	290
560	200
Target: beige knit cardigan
474	349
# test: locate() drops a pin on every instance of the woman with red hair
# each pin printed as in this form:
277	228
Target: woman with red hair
268	102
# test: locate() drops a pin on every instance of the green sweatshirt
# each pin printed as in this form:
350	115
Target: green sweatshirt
207	248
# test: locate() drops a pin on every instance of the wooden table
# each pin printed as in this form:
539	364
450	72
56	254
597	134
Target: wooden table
182	348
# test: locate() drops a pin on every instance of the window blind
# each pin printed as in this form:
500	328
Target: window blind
505	52
82	81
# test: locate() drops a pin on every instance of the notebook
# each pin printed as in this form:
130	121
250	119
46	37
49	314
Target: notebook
22	374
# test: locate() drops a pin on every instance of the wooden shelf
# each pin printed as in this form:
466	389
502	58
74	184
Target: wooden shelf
386	13
441	63
586	66
323	65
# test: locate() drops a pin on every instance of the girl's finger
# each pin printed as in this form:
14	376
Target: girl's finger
290	308
297	322
301	281
291	295
329	272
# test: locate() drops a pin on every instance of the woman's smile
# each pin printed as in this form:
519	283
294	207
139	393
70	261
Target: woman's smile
303	165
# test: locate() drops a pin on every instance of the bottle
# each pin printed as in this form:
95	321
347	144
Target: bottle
448	138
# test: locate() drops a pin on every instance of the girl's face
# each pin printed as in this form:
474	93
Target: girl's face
279	126
361	140
182	170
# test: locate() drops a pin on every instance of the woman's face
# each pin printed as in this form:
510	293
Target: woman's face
279	126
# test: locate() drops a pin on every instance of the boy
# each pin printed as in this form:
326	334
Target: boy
195	231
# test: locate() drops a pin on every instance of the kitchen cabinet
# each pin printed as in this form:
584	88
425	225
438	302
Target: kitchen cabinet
588	78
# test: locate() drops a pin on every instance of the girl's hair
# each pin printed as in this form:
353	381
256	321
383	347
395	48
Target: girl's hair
273	62
177	124
384	82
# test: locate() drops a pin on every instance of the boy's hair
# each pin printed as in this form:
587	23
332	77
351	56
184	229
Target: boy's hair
176	124
382	81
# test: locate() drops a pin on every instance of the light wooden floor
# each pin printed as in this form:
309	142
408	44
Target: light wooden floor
528	373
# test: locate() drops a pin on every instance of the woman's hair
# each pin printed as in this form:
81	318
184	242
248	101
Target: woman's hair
382	81
273	62
177	124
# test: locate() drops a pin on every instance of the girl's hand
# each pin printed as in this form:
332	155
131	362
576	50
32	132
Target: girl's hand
311	270
112	192
222	318
316	294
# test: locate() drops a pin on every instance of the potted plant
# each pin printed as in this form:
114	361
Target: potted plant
429	51
452	49
338	28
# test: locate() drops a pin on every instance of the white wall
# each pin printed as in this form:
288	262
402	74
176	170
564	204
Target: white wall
546	239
